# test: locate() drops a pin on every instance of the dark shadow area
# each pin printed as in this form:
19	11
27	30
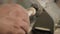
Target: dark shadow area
35	31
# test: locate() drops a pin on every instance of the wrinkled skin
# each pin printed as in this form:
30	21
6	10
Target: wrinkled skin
13	19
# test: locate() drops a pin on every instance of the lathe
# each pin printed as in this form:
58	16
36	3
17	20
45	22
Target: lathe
46	14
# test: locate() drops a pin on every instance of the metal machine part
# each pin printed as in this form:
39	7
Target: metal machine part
49	18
